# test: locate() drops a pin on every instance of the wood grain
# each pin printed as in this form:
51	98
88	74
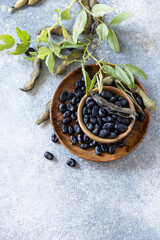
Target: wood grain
132	141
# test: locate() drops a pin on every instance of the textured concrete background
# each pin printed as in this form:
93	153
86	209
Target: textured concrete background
46	200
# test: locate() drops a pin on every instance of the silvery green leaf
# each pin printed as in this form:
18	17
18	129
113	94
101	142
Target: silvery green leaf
93	82
72	45
79	24
21	48
43	36
137	71
102	31
100	9
112	40
43	52
130	76
65	15
50	62
100	82
66	34
56	49
86	78
121	75
109	70
23	35
121	17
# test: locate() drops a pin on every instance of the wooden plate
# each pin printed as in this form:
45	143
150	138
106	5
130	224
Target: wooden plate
132	141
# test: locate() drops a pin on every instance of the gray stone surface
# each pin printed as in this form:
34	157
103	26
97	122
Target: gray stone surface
46	200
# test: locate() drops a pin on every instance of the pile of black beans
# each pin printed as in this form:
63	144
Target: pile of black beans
97	120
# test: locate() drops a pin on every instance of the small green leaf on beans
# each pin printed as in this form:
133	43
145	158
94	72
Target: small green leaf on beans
93	82
109	70
72	45
58	10
23	35
100	9
121	75
7	39
121	17
43	52
43	36
130	76
50	62
79	24
102	31
65	15
100	82
137	71
56	49
66	34
21	48
112	40
86	78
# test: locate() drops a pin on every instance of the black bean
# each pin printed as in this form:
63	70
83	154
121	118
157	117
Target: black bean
112	135
116	132
29	51
62	107
84	110
70	96
103	133
104	147
73	116
48	155
71	162
77	129
96	130
88	100
141	117
84	146
80	137
86	138
107	119
106	94
90	105
108	126
123	101
78	92
89	126
71	107
113	99
66	114
139	101
86	119
67	120
54	138
121	143
63	96
102	112
77	121
114	116
64	129
120	127
73	139
89	111
83	90
75	100
80	83
125	121
93	119
99	121
70	130
98	150
118	103
112	148
95	110
93	143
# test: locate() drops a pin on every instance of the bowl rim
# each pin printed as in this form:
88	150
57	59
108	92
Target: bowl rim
89	133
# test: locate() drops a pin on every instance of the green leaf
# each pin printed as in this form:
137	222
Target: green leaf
102	31
72	45
100	9
28	58
66	34
43	52
130	76
43	36
100	82
86	78
93	82
7	39
5	46
79	24
65	15
21	48
112	40
58	10
121	75
137	71
121	17
109	70
56	49
23	35
50	62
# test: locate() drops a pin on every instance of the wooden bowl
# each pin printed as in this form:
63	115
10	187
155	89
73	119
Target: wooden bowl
132	140
115	91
